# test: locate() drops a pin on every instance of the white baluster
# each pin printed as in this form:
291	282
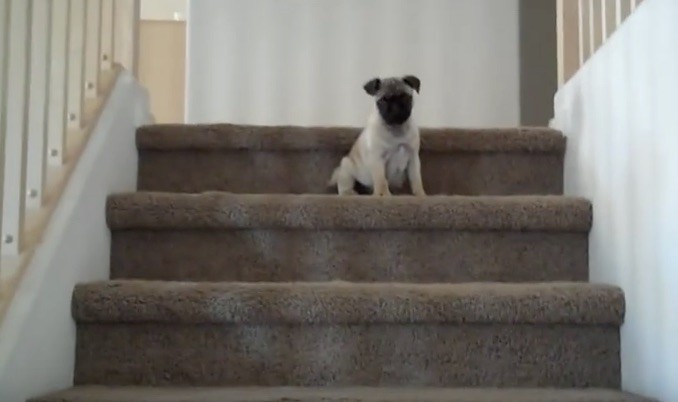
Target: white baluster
4	31
126	33
57	108
15	126
106	48
609	12
584	31
76	47
92	42
592	29
568	39
37	102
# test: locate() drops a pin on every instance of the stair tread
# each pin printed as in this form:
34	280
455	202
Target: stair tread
357	394
339	302
169	137
160	210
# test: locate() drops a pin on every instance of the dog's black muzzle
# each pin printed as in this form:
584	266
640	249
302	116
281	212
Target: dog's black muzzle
395	109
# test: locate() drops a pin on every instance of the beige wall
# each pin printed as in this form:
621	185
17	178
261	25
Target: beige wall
163	10
162	67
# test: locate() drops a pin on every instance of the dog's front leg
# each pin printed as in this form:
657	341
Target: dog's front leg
414	176
379	181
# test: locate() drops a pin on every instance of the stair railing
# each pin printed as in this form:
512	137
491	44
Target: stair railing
583	26
58	62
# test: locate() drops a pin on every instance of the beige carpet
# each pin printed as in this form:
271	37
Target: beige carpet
266	287
323	237
247	159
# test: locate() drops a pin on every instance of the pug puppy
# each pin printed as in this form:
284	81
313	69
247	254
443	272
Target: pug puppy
387	150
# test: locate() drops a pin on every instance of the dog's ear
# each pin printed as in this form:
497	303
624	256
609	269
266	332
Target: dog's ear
413	82
372	86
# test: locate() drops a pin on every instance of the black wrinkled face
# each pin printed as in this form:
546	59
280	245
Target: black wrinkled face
393	97
395	108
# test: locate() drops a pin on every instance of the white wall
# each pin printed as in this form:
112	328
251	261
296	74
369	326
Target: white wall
163	10
620	114
304	62
37	335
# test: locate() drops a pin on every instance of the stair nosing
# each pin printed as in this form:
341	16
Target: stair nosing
339	302
234	137
224	210
395	394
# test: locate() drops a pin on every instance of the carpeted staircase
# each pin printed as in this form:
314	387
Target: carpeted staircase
237	275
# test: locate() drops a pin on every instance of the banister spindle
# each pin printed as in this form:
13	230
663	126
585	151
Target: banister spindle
57	108
583	8
92	42
598	24
37	102
126	33
15	125
106	48
591	32
625	9
4	31
568	39
76	48
609	18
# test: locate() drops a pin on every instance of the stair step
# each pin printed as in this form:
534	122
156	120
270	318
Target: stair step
255	237
286	159
339	333
256	394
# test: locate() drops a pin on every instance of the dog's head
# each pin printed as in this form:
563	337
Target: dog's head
393	97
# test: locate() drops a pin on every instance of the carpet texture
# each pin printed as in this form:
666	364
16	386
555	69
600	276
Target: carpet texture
237	276
253	159
339	302
320	237
341	334
353	394
265	211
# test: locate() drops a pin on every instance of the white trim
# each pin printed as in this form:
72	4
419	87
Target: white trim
75	248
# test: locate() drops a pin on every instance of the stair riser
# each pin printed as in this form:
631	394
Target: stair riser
397	355
302	255
308	172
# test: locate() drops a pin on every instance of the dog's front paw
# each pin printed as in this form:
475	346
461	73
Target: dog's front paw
419	192
385	192
418	189
348	192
